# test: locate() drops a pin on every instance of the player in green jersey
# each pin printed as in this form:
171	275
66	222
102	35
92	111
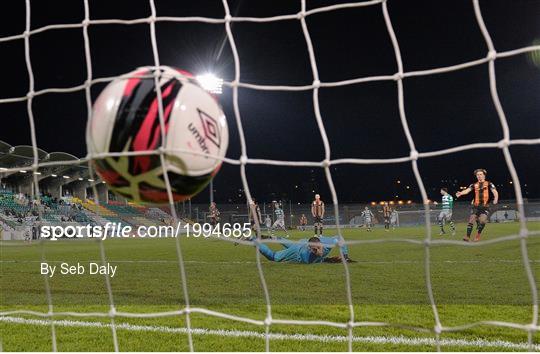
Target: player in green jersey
446	211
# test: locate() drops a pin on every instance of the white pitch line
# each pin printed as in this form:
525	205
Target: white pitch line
395	340
142	261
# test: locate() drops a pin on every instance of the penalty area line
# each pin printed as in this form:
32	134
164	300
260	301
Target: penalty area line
394	340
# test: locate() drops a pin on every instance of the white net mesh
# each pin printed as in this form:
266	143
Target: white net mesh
438	328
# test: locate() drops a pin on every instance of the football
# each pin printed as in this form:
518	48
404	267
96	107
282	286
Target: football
126	119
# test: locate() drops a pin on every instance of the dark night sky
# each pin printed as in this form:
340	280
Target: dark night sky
361	120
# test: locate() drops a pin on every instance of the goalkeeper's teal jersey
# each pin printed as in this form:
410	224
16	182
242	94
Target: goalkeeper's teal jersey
447	202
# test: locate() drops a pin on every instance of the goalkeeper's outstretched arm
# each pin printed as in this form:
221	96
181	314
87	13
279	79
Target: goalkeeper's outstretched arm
332	242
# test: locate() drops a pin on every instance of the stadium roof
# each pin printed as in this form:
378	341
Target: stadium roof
4	147
59	169
22	156
18	156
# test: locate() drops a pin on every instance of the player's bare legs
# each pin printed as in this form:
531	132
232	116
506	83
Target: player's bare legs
368	227
286	232
481	223
441	225
442	221
318	226
278	225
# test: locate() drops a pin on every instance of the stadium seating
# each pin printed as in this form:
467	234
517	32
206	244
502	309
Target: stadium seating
16	211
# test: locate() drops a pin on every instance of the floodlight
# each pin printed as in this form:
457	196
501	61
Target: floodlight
211	83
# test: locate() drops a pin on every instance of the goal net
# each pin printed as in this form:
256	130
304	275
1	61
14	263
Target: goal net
438	328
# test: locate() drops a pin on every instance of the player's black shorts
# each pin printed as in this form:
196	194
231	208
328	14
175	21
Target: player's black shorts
387	219
317	219
479	210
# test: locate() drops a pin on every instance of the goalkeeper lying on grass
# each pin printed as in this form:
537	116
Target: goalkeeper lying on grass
314	250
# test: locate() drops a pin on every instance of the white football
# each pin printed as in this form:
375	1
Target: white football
125	119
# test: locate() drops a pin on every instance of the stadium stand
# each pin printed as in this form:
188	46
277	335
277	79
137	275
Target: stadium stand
65	193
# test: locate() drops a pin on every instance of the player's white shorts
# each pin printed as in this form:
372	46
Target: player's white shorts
368	221
445	214
279	223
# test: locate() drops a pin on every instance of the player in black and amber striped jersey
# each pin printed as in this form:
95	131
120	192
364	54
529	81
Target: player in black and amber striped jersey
317	211
213	213
387	211
483	191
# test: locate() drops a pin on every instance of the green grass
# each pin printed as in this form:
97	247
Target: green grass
388	284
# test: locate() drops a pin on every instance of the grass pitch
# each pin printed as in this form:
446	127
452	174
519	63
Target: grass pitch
470	284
